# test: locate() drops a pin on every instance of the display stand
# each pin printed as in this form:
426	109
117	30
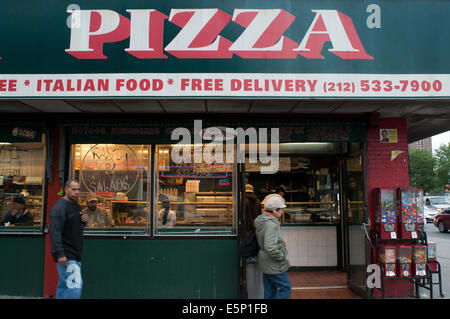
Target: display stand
425	282
433	267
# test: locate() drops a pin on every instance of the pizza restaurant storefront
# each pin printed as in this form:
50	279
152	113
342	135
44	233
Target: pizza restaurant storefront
117	105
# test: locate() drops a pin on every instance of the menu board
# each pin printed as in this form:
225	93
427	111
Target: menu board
284	165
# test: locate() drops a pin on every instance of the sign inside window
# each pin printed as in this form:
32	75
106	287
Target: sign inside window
109	168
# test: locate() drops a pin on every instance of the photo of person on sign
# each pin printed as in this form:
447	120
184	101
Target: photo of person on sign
388	135
384	137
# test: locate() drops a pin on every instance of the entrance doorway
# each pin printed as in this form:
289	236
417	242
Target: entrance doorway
355	221
321	208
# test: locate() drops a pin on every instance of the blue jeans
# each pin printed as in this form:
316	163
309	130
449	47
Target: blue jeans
276	286
70	282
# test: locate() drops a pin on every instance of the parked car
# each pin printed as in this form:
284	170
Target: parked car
438	203
442	221
429	214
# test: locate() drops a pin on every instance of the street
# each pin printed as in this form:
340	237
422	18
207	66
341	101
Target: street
442	241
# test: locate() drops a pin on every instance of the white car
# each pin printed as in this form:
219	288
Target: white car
434	205
429	214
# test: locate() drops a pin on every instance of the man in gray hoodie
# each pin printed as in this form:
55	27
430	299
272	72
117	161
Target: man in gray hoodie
272	256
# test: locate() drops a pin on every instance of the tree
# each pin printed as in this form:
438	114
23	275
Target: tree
442	167
421	169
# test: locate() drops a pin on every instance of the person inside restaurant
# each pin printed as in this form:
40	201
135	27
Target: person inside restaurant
98	217
18	216
167	218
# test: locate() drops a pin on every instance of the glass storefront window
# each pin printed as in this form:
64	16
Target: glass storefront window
114	185
314	201
309	184
194	198
22	177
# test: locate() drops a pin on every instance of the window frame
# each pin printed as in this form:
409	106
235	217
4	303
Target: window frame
144	232
150	231
232	233
33	230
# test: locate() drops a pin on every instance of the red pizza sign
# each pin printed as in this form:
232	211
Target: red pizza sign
199	37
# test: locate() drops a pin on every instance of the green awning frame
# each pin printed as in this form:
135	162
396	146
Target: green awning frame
159	131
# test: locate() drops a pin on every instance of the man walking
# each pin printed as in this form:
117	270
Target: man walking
272	256
280	192
66	235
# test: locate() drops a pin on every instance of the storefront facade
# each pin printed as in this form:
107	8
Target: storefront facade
115	90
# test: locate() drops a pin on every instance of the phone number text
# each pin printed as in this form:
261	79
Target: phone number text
383	86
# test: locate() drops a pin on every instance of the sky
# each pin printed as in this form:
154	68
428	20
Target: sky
438	140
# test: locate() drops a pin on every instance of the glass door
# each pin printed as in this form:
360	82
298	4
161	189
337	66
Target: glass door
354	222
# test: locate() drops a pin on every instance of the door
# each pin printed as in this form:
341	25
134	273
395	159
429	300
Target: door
241	209
354	222
446	218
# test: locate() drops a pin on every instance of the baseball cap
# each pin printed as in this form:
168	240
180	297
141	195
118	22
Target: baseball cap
91	197
19	199
274	203
248	188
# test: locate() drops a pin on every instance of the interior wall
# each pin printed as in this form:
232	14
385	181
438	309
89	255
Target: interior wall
311	246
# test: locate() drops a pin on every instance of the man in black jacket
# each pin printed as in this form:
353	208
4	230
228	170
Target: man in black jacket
66	235
18	216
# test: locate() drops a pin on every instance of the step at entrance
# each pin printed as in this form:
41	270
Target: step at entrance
320	285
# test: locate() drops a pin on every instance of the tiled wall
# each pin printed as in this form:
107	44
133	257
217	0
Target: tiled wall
312	246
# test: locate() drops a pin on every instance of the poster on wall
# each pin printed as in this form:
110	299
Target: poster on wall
388	136
395	154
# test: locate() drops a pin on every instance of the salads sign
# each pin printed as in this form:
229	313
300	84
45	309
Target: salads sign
109	169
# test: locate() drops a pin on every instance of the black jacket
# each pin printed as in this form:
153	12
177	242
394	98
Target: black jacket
26	219
66	230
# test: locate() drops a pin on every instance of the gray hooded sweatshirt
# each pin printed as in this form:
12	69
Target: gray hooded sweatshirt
272	255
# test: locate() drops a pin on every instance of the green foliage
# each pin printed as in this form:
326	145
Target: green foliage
430	171
442	166
421	169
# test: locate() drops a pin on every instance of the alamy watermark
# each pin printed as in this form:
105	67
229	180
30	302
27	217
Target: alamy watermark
227	145
74	20
373	276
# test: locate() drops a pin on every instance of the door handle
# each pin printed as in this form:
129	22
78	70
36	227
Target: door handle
364	225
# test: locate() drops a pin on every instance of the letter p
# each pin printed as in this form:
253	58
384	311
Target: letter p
96	27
